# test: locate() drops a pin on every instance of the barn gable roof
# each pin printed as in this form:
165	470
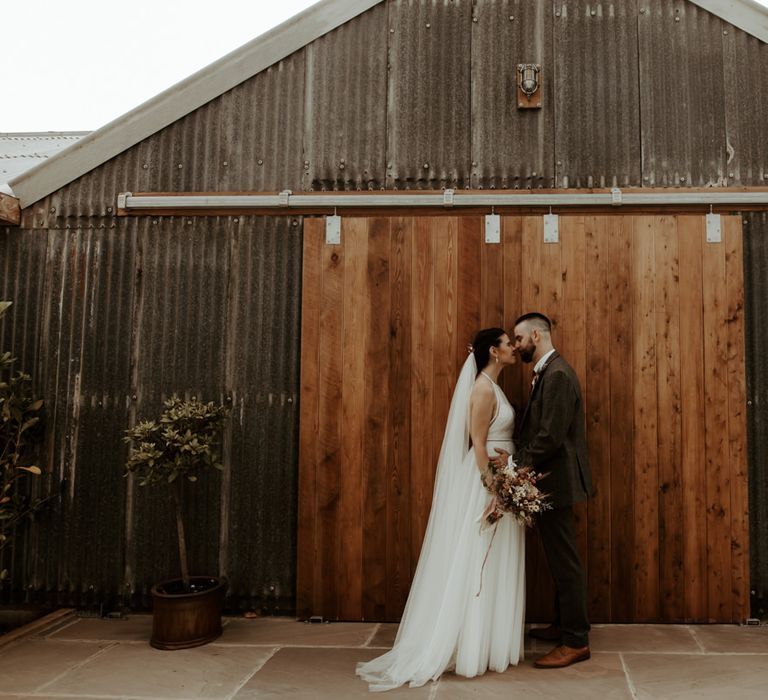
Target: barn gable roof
242	64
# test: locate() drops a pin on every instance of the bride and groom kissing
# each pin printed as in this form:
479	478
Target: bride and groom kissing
453	618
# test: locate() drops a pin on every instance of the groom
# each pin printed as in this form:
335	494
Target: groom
552	441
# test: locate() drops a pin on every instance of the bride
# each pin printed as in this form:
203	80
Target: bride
457	618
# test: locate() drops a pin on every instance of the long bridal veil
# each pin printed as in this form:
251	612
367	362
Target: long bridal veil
442	612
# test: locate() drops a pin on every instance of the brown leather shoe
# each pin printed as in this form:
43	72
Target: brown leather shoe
562	656
551	633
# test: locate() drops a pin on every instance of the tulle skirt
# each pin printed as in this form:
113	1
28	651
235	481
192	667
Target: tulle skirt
453	620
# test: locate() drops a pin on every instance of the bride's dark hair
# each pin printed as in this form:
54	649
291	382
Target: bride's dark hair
481	346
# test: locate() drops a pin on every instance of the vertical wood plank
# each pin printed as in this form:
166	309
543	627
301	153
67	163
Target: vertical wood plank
377	429
595	317
539	586
691	236
512	252
737	399
646	549
329	432
354	233
444	232
572	339
719	606
667	302
399	447
422	334
470	243
308	428
622	457
491	286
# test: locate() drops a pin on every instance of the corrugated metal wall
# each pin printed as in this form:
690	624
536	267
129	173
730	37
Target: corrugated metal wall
112	320
411	94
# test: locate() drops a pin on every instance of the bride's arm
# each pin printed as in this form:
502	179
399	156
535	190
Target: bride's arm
482	404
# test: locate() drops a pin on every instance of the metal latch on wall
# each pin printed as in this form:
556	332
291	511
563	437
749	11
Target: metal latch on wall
333	230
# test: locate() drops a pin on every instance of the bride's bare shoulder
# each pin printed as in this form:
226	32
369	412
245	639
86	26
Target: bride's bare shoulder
482	389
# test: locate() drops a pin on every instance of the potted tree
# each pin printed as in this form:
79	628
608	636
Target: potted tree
180	446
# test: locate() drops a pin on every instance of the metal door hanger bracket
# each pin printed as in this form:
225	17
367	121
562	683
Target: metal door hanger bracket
714	230
333	230
492	228
551	228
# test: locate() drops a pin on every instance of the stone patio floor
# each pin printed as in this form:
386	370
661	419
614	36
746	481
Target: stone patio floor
282	658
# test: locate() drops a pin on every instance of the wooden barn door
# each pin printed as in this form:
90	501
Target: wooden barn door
651	317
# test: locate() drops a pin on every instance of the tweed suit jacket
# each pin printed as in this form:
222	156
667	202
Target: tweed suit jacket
552	435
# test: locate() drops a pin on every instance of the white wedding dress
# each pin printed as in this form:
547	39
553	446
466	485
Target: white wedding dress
446	625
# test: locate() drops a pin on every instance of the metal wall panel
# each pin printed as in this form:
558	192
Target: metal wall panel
746	91
511	148
597	101
756	292
682	98
346	119
428	109
124	318
249	139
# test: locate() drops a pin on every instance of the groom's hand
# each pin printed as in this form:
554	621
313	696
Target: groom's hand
501	459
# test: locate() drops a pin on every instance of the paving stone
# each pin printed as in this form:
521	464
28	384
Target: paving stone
30	664
602	677
385	635
732	638
651	638
310	674
281	631
136	628
700	677
140	671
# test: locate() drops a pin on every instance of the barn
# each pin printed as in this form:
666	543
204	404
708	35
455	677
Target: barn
311	229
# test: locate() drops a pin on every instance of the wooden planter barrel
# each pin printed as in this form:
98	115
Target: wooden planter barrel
184	620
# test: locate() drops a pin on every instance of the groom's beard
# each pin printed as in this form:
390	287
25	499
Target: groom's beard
527	354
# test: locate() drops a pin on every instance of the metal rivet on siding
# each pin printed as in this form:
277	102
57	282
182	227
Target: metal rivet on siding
341	166
426	166
474	19
725	32
511	18
682	179
53	210
154	223
133	398
260	161
145	166
428	25
677	19
391	31
236	220
179	166
294	223
189	222
730	174
642	10
225	163
557	14
593	13
109	210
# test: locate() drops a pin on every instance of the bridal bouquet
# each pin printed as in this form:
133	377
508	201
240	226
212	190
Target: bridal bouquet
515	492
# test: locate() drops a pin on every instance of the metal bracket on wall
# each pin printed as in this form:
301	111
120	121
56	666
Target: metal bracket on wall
448	198
714	232
333	230
551	228
492	228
